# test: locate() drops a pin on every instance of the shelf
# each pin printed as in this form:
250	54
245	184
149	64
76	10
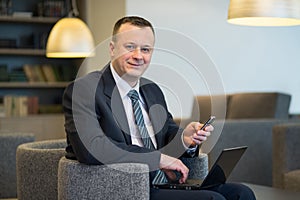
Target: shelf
23	42
33	84
38	20
24	52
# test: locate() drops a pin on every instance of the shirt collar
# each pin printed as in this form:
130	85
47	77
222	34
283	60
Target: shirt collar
122	85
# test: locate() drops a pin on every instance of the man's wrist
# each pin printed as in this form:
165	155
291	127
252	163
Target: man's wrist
190	147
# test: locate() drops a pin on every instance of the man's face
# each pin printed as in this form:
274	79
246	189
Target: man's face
131	51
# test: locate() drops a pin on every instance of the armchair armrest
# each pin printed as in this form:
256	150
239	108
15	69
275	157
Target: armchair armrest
198	166
286	151
114	181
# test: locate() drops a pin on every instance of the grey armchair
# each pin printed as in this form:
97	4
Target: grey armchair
8	147
44	173
116	181
37	165
286	156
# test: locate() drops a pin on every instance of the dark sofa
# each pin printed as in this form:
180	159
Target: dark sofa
256	105
244	119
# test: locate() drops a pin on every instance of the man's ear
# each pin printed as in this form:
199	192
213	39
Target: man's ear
111	48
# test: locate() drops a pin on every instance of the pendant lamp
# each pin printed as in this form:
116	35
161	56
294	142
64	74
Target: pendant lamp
264	12
70	37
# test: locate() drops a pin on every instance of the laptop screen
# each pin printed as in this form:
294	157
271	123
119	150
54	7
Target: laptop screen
223	166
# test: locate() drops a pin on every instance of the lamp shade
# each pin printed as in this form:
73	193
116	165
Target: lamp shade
70	38
264	12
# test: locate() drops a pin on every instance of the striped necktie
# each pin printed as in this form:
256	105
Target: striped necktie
160	176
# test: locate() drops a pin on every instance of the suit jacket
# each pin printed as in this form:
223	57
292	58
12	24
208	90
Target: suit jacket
97	128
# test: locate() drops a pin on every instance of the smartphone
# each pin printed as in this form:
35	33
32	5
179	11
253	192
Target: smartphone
208	122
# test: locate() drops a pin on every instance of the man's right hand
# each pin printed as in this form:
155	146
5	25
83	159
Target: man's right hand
168	163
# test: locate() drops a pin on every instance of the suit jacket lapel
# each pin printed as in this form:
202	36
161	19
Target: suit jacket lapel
115	103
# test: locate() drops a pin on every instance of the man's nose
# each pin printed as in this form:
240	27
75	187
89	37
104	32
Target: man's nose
137	53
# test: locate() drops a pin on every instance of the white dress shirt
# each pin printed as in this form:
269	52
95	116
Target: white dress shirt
124	88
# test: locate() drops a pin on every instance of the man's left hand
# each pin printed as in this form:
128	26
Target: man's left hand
192	135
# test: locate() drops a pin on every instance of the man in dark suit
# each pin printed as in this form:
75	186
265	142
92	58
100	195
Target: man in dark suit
114	115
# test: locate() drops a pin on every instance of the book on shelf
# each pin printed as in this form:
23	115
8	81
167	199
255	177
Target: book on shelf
33	105
30	73
8	43
52	8
19	105
39	73
50	108
49	73
58	73
17	75
4	76
2	111
22	14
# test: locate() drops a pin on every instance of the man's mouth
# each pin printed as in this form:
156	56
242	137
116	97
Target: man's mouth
135	64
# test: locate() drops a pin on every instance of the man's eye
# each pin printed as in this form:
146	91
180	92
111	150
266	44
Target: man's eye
146	50
130	47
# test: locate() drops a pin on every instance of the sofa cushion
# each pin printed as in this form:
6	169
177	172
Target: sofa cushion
258	105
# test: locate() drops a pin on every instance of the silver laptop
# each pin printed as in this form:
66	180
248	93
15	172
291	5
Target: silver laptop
217	175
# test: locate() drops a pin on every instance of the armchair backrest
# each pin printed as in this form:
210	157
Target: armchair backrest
8	147
256	105
37	168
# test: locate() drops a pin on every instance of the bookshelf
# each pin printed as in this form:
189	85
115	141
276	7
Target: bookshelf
25	26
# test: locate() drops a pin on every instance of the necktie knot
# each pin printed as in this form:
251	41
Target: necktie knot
133	95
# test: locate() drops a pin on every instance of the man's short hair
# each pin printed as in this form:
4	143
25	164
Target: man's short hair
133	20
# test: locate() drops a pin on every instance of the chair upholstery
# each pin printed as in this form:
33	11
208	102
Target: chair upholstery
286	156
37	165
198	166
8	146
115	181
258	105
80	181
